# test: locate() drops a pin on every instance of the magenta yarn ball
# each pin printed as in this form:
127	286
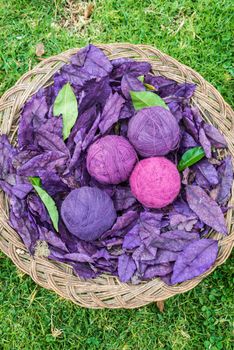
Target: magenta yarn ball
153	132
110	159
155	182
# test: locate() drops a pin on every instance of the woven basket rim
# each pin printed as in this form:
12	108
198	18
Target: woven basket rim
107	291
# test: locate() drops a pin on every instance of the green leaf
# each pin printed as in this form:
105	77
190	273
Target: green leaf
148	86
66	104
143	99
35	181
47	200
190	157
141	78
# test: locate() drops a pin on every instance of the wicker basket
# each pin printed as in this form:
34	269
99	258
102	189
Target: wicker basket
107	291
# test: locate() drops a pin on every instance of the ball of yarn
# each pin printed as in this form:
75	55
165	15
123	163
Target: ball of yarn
155	182
87	212
110	159
153	132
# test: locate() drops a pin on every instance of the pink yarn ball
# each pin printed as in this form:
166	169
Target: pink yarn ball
155	182
110	159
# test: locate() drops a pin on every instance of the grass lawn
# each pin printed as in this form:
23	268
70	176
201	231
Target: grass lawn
198	33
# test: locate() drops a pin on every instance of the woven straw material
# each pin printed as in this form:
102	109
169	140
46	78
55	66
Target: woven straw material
107	291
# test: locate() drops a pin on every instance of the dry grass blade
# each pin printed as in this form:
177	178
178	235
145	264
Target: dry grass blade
88	11
40	49
55	332
160	305
76	15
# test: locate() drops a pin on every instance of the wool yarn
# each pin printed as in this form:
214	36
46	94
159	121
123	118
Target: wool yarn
110	159
153	132
155	182
87	212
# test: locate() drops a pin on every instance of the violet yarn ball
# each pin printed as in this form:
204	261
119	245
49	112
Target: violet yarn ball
110	159
155	182
153	132
88	212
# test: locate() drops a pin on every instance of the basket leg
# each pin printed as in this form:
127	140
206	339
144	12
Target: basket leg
160	305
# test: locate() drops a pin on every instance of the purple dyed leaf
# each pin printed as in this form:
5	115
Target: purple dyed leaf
205	143
21	190
84	270
127	111
121	223
164	256
187	141
7	153
92	61
37	208
208	171
181	206
95	92
127	66
32	117
91	134
196	259
70	74
178	234
126	267
111	112
226	180
157	271
53	126
201	181
189	123
216	138
77	257
52	183
174	241
123	198
51	142
23	222
51	161
166	85
206	208
150	224
148	253
183	221
130	83
132	238
83	124
76	156
52	238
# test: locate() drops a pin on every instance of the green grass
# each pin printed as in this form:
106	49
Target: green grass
199	319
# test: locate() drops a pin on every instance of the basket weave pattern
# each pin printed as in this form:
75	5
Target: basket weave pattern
107	291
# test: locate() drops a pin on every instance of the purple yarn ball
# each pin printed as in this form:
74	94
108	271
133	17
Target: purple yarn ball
110	159
153	132
88	212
